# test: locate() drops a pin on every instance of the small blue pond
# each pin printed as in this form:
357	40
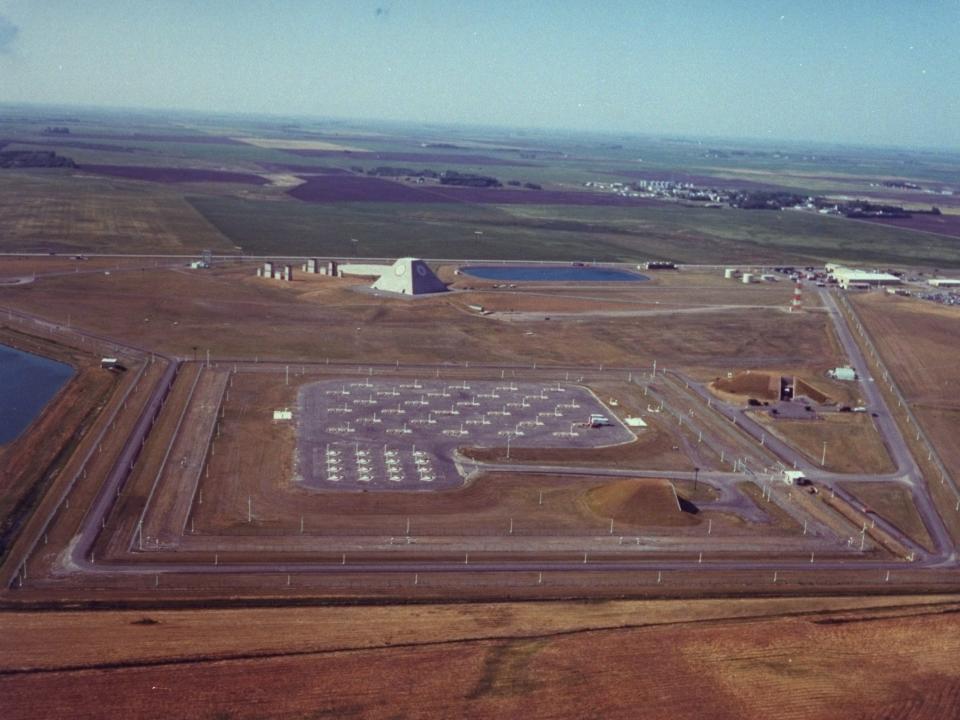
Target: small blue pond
548	273
27	383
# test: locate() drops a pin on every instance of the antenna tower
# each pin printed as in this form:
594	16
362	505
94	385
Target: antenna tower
796	305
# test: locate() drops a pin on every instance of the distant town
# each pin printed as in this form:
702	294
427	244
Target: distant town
711	196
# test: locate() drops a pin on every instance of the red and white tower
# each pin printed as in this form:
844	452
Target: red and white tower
796	305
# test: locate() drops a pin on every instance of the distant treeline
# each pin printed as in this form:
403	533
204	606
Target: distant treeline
447	177
33	159
862	208
764	199
387	171
773	200
452	177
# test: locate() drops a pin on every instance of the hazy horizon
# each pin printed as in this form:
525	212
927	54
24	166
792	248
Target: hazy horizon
870	74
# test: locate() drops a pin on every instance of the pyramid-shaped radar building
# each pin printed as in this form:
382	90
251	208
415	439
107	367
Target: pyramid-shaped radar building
409	276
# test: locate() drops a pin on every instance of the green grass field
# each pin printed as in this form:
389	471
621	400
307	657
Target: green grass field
393	230
527	232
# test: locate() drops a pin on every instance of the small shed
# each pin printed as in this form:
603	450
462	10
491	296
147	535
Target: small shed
843	373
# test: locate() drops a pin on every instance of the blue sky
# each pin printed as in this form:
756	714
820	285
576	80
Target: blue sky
872	72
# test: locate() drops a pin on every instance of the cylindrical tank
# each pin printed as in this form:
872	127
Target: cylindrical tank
747	278
729	273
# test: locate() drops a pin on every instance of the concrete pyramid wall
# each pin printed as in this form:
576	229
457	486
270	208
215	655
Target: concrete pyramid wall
409	276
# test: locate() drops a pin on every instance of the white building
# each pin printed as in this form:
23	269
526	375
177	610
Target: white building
843	373
943	282
846	276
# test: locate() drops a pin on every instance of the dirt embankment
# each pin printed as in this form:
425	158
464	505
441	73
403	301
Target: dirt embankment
638	502
32	461
759	385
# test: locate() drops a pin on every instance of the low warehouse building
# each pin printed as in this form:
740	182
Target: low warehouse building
847	277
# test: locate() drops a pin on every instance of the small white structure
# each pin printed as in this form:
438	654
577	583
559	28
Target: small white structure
635	422
730	273
284	414
746	278
791	476
943	282
843	373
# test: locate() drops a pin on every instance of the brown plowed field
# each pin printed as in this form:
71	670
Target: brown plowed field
942	426
918	342
737	668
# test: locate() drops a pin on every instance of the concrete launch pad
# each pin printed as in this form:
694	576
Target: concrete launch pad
376	434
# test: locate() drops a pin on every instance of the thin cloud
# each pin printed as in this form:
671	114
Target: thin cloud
8	33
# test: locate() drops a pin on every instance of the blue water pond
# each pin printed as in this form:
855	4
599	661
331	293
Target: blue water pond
27	383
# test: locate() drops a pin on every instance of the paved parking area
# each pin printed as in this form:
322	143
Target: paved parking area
377	434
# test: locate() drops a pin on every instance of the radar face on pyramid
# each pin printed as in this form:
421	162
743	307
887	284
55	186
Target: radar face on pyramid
409	276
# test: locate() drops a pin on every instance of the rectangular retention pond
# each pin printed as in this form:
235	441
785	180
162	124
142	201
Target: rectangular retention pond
552	273
27	384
